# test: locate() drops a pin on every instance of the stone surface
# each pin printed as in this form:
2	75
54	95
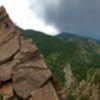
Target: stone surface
8	50
29	80
30	72
7	91
46	92
6	71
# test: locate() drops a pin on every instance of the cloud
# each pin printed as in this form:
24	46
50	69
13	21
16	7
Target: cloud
75	16
21	14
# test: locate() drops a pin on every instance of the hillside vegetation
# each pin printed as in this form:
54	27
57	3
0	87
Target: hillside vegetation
74	60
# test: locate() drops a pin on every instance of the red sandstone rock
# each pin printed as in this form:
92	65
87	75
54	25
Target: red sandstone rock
46	92
6	71
7	91
9	49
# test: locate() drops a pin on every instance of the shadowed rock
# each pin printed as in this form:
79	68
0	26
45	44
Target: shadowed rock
7	91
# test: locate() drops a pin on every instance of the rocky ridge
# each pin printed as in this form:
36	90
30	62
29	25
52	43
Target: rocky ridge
23	72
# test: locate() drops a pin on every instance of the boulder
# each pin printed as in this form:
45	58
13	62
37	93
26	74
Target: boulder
7	91
8	50
30	71
46	92
6	71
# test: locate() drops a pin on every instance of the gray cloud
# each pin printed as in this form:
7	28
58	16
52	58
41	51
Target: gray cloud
75	16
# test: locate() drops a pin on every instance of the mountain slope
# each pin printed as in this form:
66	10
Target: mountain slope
69	36
71	59
55	51
80	53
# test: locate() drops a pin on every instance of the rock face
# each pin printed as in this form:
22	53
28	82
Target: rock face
23	73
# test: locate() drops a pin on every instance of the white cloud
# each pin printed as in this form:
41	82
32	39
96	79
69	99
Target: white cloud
22	15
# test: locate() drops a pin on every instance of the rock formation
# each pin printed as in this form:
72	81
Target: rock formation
23	73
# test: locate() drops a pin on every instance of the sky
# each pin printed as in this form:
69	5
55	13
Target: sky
22	15
54	16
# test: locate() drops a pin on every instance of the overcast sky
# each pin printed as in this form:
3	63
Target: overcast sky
21	14
53	16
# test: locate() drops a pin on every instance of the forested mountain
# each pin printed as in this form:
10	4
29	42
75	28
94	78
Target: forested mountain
73	59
